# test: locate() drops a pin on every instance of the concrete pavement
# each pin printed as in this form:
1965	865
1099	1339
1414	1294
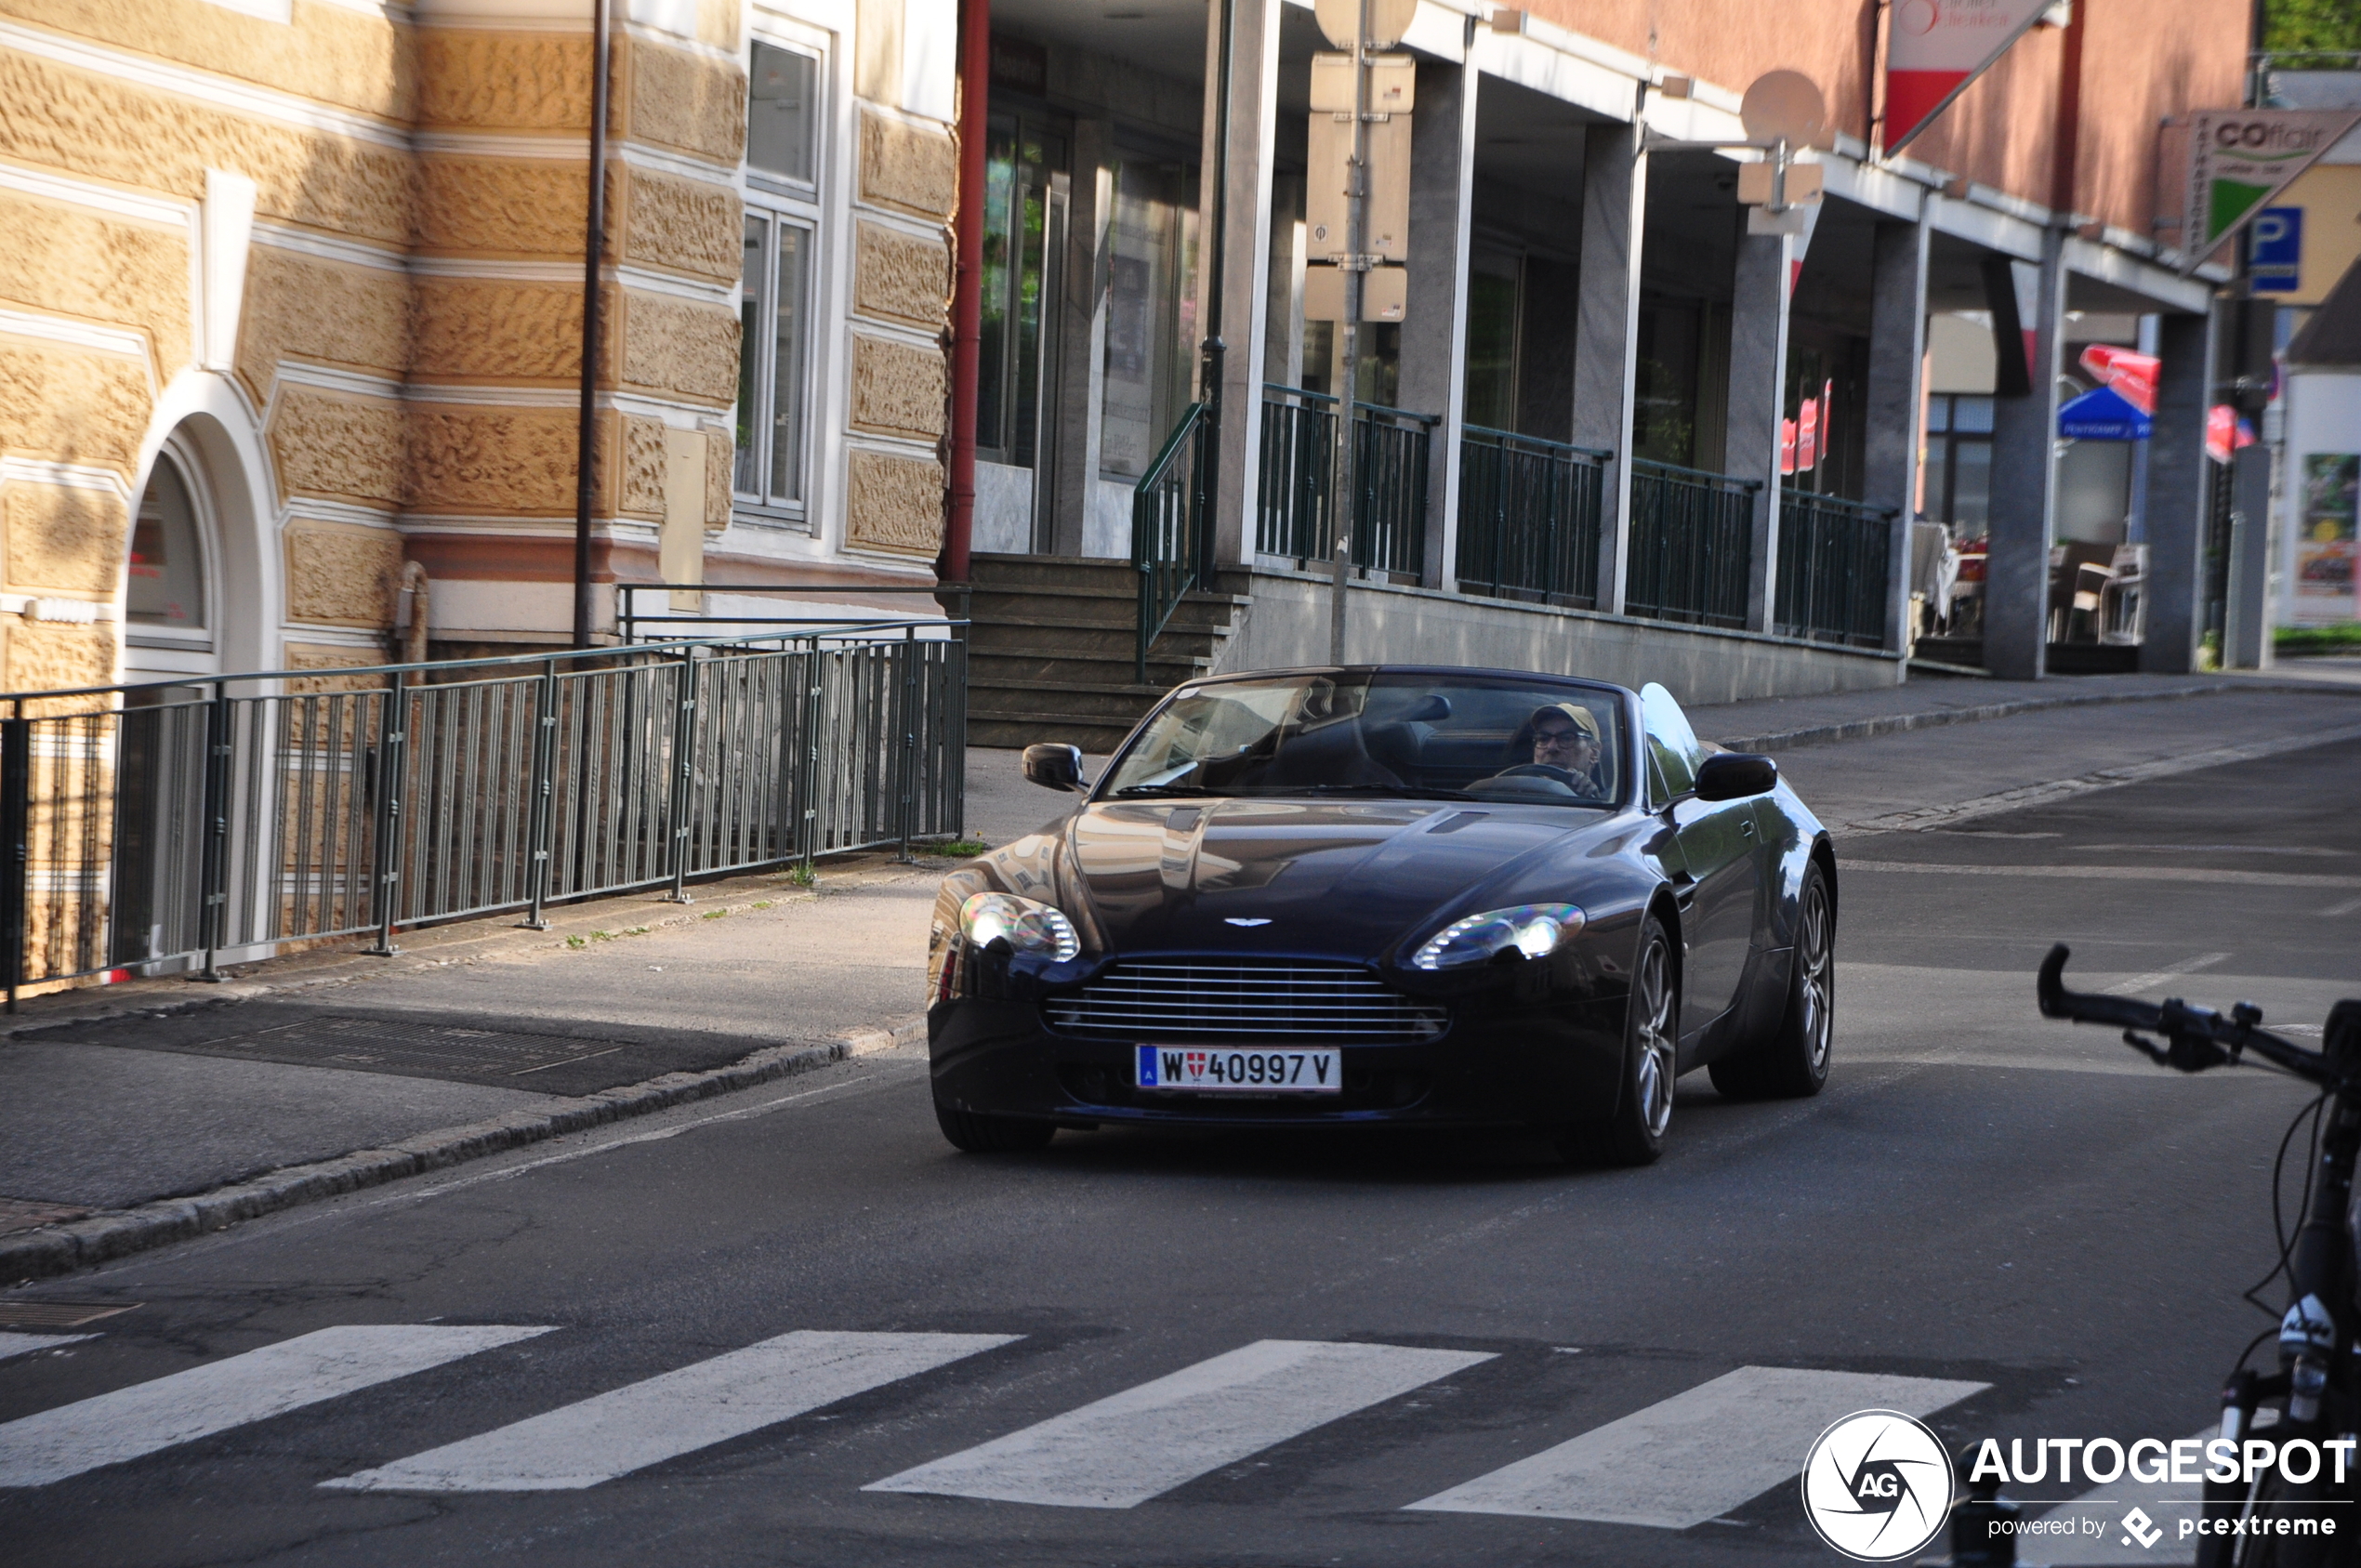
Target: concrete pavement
333	1071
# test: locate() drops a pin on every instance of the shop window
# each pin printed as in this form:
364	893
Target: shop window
1492	341
1023	238
1958	477
1664	414
776	282
1151	311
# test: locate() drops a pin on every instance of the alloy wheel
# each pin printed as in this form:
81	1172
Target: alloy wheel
1654	1071
1817	975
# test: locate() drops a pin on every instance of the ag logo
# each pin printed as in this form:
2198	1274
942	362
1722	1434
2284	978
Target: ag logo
1876	1486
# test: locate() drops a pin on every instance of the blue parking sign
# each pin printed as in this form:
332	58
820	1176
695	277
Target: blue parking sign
2274	251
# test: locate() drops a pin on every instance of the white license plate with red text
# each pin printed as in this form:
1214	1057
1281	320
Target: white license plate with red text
1219	1070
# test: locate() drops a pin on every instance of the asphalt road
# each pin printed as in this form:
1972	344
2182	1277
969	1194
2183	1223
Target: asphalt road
2018	1225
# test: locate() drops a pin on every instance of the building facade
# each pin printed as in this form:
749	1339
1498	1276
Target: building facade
294	304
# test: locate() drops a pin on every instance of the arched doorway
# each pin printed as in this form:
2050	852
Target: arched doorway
172	608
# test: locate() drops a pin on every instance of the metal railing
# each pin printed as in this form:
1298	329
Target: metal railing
1834	560
182	825
1691	546
634	625
1171	540
1529	518
1298	488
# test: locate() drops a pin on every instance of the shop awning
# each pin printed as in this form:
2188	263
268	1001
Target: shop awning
2103	414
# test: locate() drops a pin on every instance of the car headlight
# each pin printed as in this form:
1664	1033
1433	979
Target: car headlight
1533	929
1029	925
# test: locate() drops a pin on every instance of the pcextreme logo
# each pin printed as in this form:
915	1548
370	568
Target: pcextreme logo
1876	1486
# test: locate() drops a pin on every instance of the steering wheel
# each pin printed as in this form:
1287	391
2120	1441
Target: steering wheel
1544	770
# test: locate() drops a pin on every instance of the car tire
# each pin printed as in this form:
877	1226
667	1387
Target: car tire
1793	1063
1634	1134
972	1134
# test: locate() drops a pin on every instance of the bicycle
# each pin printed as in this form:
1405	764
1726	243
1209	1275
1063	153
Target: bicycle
2315	1393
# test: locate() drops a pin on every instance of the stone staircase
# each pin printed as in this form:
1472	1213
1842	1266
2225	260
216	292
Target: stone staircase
1052	650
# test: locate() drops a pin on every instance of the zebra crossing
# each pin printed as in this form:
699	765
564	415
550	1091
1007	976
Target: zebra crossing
1682	1460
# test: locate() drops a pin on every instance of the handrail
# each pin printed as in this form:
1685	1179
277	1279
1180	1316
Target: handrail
1485	432
1169	535
1358	405
1701	476
1835	555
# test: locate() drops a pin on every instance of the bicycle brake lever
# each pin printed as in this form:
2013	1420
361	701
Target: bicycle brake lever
2186	1053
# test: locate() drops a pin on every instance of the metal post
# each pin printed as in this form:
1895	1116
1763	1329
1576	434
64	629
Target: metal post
214	864
543	802
684	762
808	784
1342	512
16	812
392	744
907	792
1209	453
586	477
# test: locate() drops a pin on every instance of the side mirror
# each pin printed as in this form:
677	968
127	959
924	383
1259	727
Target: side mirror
1054	767
1732	775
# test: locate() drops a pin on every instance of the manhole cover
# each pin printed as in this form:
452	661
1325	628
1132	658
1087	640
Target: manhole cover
57	1314
399	1046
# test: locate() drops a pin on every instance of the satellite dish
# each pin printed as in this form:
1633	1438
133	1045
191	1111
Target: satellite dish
1785	106
1389	19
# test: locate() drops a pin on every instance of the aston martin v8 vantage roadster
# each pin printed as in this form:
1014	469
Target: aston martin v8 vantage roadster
1390	895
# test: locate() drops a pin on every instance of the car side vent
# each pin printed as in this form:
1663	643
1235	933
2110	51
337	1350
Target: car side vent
1174	999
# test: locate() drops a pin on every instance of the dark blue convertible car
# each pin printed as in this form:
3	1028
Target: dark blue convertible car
1412	896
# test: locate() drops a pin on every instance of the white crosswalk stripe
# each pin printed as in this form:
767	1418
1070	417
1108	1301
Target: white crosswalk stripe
1123	1450
25	1344
141	1419
1698	1455
661	1417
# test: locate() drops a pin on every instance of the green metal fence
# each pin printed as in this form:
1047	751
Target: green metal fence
1172	536
1296	495
1835	561
1691	546
1529	516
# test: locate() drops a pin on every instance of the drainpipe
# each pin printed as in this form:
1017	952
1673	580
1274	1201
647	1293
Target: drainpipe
586	482
967	289
413	589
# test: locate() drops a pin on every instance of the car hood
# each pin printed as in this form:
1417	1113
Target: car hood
1334	876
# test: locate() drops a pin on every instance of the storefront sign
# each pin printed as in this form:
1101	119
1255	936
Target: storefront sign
2240	158
2102	413
1937	47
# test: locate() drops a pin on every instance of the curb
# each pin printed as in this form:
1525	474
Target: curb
1936	719
46	1253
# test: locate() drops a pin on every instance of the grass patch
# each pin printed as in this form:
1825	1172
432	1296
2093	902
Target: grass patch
576	943
803	874
763	904
601	936
713	915
2318	639
956	848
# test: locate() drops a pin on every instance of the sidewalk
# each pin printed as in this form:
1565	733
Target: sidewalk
137	1115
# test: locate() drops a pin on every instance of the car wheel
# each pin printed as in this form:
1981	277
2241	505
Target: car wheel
1793	1063
1635	1133
991	1135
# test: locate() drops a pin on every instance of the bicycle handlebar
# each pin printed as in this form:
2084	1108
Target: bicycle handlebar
2199	1037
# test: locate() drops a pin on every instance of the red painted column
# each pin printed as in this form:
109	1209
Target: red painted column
967	289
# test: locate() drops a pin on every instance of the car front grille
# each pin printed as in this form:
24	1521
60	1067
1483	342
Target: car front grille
1179	1000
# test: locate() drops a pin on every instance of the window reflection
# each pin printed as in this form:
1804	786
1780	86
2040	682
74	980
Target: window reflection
166	581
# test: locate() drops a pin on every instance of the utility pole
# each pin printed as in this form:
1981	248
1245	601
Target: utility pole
1357	274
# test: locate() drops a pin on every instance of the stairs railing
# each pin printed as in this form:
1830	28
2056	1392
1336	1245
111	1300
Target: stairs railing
1297	487
1170	539
1529	518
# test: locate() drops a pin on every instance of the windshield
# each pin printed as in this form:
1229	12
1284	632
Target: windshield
1384	732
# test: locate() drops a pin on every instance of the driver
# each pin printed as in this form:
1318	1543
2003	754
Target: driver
1565	746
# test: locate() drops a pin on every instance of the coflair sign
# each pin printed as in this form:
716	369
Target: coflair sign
2240	158
1936	47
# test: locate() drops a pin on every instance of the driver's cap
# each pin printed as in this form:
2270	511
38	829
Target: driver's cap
1574	711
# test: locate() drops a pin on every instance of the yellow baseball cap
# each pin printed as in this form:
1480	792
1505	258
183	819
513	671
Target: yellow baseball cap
1575	711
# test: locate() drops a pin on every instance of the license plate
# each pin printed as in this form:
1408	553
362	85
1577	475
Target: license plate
1210	1070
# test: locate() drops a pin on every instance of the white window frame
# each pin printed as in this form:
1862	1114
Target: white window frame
196	651
779	201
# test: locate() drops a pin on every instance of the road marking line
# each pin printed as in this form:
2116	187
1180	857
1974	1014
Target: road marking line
2155	977
1123	1450
2113	873
1698	1455
25	1344
664	1417
1924	817
2166	1503
2347	908
184	1406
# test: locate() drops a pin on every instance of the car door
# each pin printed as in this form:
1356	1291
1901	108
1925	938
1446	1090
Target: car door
1716	881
